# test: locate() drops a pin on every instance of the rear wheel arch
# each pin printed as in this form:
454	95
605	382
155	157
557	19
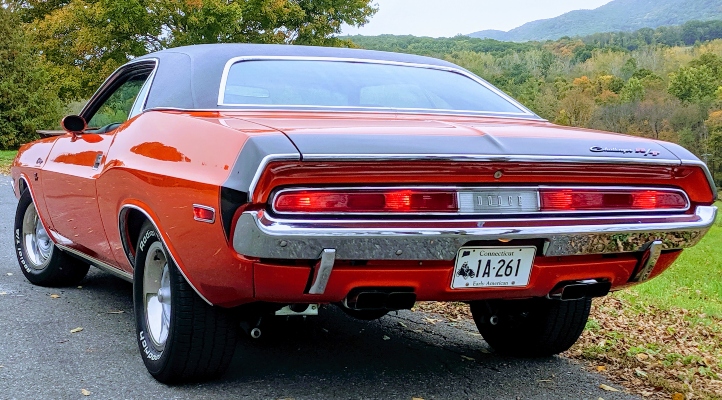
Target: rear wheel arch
130	223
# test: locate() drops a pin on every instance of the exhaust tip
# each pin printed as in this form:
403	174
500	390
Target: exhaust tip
389	299
581	289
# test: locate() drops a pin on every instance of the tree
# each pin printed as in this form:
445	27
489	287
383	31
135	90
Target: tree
693	84
88	39
28	100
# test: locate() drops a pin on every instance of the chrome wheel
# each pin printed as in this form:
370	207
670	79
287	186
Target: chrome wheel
37	243
156	294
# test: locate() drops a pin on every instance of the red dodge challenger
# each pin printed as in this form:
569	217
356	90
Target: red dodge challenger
234	182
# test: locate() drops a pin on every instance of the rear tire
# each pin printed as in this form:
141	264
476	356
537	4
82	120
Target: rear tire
181	338
531	327
40	261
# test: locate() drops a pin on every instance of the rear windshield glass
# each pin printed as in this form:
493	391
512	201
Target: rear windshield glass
313	83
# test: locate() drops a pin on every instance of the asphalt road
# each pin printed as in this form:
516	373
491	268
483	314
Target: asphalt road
327	357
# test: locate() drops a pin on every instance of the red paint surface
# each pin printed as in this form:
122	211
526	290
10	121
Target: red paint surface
164	162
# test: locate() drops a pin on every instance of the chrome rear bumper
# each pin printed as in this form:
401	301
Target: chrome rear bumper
258	235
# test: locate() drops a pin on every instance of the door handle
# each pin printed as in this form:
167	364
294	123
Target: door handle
98	160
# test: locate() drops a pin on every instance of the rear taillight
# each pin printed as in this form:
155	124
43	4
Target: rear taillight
482	201
367	201
610	200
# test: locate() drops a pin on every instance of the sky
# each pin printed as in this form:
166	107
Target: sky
437	18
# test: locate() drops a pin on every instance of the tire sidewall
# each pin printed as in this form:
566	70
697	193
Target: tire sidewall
155	360
32	274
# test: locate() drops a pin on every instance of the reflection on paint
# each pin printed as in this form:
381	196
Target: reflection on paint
159	151
85	158
91	138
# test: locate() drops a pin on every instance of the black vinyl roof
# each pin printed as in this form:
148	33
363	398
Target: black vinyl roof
189	77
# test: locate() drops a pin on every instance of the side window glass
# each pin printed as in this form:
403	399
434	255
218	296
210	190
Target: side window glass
116	108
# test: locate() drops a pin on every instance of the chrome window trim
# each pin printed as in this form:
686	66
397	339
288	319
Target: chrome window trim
122	231
226	69
109	80
142	98
458	189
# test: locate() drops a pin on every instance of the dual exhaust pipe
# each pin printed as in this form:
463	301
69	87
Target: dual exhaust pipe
380	299
577	290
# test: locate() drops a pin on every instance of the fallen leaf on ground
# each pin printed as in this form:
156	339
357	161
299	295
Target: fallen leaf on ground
80	287
116	312
608	388
417	398
642	356
468	358
85	392
386	337
54	296
601	368
403	324
678	396
76	330
641	373
432	321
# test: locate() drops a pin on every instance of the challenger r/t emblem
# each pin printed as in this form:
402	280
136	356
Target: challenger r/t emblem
639	150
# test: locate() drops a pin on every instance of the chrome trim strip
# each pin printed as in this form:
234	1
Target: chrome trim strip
325	267
98	264
213	210
490	87
258	235
122	233
264	163
488	158
705	168
347	111
465	189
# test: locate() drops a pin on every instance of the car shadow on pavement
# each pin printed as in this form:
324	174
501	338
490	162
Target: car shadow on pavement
402	355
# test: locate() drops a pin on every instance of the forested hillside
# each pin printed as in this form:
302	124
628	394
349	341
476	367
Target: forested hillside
630	83
618	15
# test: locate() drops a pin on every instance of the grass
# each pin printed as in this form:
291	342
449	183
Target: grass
663	338
6	158
693	283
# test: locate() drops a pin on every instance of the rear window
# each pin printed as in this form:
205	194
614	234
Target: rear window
318	83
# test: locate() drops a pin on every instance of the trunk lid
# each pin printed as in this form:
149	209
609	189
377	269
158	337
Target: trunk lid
371	135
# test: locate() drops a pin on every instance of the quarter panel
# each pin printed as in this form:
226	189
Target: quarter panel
164	163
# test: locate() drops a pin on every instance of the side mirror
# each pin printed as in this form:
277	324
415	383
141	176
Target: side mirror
74	124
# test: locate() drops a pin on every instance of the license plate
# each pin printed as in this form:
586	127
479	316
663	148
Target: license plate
478	267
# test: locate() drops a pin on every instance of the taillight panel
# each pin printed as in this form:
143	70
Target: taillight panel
479	200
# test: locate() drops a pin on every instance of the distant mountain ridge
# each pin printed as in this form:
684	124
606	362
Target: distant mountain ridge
618	15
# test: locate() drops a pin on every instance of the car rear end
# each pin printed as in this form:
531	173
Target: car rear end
464	230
